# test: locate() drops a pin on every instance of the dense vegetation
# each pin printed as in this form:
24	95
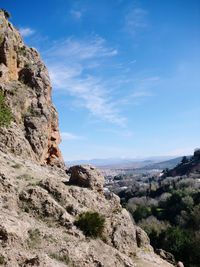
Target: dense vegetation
5	112
168	209
91	223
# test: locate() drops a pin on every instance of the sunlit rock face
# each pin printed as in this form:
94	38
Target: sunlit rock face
25	82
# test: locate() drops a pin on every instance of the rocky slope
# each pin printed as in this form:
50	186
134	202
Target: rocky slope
39	204
38	207
25	82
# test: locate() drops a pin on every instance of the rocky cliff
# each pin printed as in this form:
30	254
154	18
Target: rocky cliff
40	205
24	81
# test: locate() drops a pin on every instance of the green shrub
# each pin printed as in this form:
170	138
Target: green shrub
195	218
195	255
2	259
141	212
177	241
34	238
5	112
91	223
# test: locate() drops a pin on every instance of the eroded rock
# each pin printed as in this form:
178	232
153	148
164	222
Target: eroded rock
25	82
86	176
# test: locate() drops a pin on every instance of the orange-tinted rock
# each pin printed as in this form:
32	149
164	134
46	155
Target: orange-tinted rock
25	82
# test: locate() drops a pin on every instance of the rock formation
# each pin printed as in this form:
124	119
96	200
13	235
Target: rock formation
24	80
37	222
39	205
86	176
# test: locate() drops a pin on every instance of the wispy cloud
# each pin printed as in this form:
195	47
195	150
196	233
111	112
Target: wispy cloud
76	14
70	68
76	50
136	19
26	32
66	136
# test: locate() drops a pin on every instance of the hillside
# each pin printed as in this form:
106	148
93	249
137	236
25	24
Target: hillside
187	165
167	207
49	217
171	163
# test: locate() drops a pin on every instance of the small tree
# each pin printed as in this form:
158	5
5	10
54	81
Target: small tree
91	223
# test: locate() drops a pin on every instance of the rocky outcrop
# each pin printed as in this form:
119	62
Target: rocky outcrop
86	176
24	80
38	212
166	256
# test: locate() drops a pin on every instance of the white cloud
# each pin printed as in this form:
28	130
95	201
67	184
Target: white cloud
79	50
89	91
77	14
66	136
136	19
70	64
26	32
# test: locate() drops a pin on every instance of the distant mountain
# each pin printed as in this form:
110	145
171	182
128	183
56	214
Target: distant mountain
168	164
100	162
121	163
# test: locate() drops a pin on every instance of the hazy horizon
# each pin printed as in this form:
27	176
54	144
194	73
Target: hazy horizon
125	74
148	158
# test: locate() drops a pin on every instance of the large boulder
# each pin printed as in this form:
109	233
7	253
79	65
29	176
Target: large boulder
86	176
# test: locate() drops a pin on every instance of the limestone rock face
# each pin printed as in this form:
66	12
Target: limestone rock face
24	80
86	176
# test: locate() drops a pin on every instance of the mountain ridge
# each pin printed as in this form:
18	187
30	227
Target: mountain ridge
114	161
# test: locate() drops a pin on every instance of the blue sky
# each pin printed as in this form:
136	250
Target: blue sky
125	73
